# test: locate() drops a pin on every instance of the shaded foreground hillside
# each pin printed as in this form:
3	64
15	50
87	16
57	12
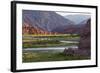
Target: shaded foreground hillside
85	41
85	38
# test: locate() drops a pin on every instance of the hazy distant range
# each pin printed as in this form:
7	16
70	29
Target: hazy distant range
77	18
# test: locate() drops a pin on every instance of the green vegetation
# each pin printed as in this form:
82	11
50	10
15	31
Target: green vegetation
46	43
36	41
40	57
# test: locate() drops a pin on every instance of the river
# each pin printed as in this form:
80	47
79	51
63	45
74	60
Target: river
49	49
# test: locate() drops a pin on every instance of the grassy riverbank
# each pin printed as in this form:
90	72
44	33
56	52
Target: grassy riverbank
41	57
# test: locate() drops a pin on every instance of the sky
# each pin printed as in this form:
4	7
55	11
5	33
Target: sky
71	13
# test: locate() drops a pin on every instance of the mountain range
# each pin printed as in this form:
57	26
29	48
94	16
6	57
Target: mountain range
48	22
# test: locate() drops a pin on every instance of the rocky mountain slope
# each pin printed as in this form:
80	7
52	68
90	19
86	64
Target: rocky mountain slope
45	21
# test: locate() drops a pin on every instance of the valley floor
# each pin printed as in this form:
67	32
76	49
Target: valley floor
43	41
